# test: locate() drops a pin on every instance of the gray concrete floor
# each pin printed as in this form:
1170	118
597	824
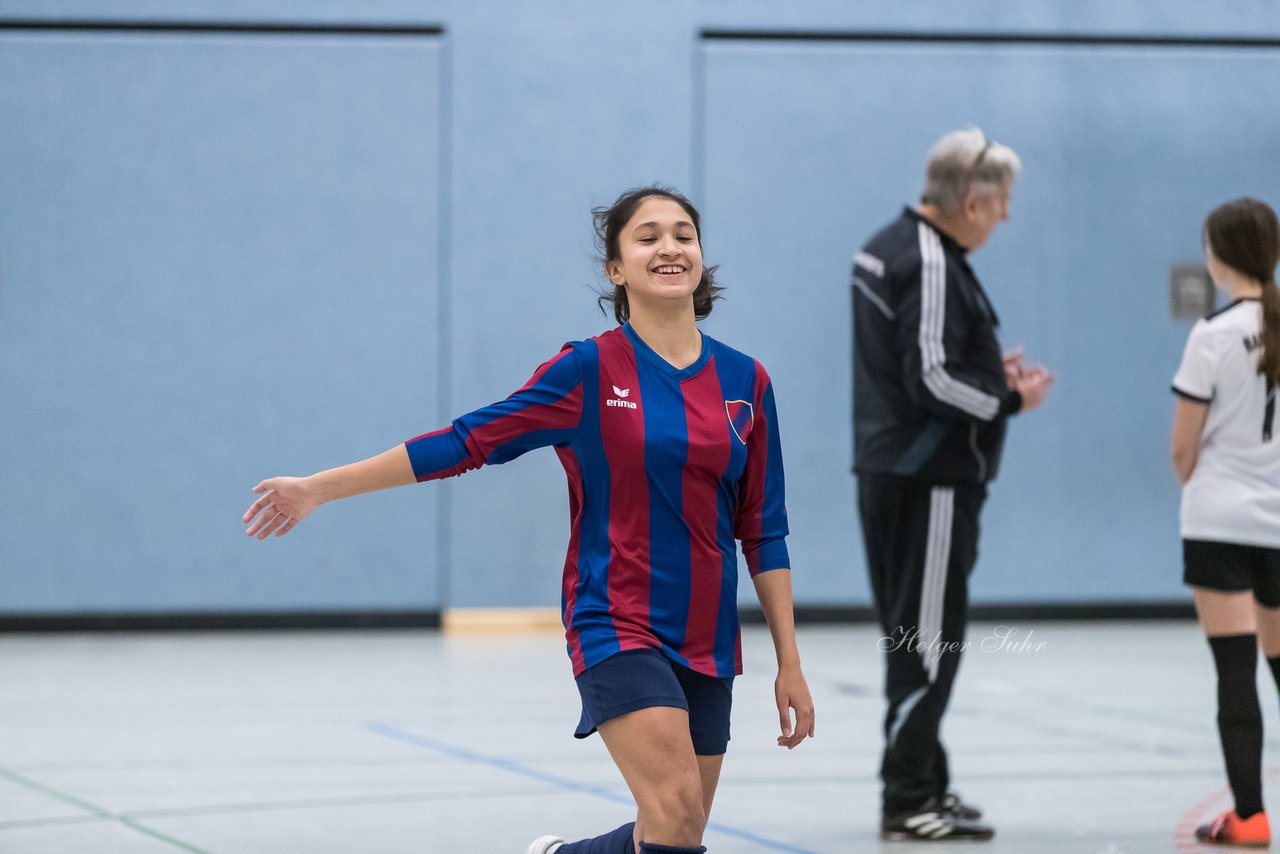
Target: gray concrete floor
1102	741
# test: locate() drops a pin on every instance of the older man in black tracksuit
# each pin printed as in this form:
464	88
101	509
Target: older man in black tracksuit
932	393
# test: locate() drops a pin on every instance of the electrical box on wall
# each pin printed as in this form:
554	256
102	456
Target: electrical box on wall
1191	295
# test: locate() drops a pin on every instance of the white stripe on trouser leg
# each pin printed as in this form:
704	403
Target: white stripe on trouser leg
933	590
904	712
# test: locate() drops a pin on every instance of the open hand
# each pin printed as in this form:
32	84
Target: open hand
285	502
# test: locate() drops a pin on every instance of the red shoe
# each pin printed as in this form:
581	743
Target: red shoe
1231	829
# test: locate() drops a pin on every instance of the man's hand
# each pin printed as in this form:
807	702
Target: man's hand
1033	383
1013	369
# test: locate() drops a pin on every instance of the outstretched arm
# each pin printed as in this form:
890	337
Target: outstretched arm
790	689
544	411
286	501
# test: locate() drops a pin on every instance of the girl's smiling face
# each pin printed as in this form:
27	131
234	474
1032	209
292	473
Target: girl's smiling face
660	257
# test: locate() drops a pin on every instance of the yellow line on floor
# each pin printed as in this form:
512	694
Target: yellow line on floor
488	621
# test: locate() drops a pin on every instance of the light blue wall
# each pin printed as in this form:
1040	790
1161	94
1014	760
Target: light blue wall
219	260
1119	174
227	255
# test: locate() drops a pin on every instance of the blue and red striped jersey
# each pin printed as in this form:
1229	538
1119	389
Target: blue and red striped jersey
667	468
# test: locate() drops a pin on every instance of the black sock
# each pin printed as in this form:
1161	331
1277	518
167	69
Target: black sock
654	848
1240	718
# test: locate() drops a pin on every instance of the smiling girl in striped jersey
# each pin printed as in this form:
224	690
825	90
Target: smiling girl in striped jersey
670	443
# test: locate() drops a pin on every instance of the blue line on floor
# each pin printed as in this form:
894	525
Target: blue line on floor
513	767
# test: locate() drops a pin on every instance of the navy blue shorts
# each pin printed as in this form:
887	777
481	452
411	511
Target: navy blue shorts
643	678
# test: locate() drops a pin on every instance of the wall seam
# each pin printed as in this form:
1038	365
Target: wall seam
444	318
978	37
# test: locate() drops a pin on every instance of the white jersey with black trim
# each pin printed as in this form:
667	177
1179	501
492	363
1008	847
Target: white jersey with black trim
1233	495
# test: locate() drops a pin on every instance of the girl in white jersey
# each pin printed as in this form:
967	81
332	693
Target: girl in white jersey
1228	460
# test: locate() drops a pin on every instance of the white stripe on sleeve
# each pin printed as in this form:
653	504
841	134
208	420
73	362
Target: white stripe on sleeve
933	300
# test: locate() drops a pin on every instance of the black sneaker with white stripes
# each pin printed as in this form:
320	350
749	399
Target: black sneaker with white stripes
951	803
933	822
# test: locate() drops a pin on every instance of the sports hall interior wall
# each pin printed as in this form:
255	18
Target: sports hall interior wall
240	239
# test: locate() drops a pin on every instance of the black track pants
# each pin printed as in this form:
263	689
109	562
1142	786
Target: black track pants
922	542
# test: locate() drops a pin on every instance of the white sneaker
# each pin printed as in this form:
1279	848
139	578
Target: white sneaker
544	845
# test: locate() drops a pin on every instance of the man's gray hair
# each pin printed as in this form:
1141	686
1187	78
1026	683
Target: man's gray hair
965	161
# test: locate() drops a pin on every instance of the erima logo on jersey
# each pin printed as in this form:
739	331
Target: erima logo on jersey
621	393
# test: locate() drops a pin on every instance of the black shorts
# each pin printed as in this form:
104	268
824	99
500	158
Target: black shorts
1231	567
643	678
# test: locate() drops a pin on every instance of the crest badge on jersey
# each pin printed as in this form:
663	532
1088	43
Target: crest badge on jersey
741	418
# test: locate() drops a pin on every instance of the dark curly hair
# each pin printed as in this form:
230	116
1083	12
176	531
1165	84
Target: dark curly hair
609	222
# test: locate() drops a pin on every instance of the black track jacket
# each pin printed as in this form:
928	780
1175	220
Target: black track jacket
929	394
